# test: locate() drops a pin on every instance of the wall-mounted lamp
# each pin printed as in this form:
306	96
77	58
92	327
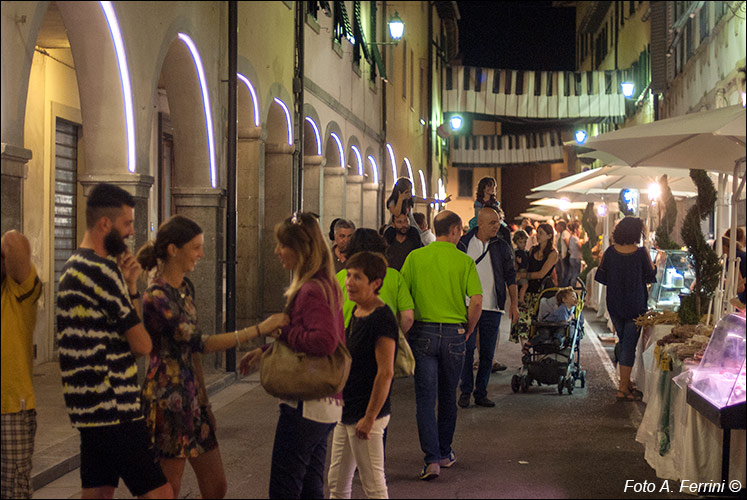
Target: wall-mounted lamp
456	122
581	136
396	31
628	88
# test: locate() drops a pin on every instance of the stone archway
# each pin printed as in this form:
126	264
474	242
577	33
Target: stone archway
333	186
371	188
354	182
247	196
312	161
194	189
277	200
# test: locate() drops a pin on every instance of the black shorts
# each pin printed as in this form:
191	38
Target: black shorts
113	451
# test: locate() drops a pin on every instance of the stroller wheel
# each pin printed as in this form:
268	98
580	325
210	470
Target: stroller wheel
561	384
525	383
569	383
583	378
515	383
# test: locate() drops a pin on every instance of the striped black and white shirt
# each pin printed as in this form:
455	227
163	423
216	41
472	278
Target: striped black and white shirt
94	310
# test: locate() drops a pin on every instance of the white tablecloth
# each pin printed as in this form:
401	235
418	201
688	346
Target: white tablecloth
681	444
644	356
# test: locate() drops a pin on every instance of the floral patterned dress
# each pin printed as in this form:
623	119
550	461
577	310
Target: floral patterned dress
180	426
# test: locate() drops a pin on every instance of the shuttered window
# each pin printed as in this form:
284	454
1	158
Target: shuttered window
65	198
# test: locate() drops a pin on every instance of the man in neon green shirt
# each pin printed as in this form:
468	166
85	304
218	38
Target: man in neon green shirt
439	277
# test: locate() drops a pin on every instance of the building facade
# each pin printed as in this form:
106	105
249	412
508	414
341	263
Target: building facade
136	94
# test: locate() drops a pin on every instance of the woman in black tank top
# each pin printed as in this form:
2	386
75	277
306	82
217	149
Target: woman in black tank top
542	260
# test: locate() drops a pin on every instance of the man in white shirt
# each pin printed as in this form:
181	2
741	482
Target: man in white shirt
494	260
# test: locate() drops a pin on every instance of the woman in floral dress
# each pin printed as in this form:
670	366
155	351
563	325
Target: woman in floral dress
175	401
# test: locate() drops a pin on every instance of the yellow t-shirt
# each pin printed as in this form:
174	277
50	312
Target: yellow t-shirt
18	320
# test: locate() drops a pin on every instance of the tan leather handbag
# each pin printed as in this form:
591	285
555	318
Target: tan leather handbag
287	374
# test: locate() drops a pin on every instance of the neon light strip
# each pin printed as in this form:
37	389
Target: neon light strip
409	171
205	102
316	134
254	97
288	120
374	168
422	183
394	164
124	75
339	148
360	161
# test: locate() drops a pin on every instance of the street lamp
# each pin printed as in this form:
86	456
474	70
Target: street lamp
654	191
396	27
396	30
628	88
602	210
455	122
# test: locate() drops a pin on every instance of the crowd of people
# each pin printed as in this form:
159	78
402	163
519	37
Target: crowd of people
445	290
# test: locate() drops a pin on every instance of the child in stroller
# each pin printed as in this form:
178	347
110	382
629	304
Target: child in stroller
551	355
555	313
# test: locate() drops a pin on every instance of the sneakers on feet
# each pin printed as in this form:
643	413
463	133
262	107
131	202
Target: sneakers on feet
484	402
448	461
463	400
430	471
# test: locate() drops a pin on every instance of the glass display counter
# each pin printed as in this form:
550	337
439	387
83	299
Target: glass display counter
674	275
717	387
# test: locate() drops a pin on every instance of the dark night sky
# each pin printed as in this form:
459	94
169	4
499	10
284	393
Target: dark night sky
517	35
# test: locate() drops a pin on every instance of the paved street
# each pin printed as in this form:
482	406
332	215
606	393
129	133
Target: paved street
538	444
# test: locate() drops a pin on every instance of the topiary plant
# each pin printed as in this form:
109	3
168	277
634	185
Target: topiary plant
589	223
702	257
667	217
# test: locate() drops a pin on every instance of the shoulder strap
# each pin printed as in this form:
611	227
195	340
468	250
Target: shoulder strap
487	248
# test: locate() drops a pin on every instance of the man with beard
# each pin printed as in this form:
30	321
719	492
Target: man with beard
21	289
100	334
402	239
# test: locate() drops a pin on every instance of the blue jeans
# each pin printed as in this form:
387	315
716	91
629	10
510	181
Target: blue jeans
438	349
628	334
298	455
572	271
488	326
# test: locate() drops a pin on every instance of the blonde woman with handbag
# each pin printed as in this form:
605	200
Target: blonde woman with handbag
314	309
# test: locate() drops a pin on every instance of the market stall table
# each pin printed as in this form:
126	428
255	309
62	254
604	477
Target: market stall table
681	444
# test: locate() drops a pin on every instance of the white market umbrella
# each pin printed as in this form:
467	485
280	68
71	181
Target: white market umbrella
617	177
708	140
557	184
558	203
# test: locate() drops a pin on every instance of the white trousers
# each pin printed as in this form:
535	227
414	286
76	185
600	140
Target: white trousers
349	452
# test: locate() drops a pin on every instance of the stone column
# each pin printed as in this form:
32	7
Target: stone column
312	183
138	185
206	206
354	198
333	196
277	208
14	160
247	231
370	205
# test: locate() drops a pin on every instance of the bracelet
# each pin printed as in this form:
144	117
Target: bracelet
259	334
135	296
236	335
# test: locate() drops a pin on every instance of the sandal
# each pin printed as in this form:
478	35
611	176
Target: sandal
627	396
634	390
